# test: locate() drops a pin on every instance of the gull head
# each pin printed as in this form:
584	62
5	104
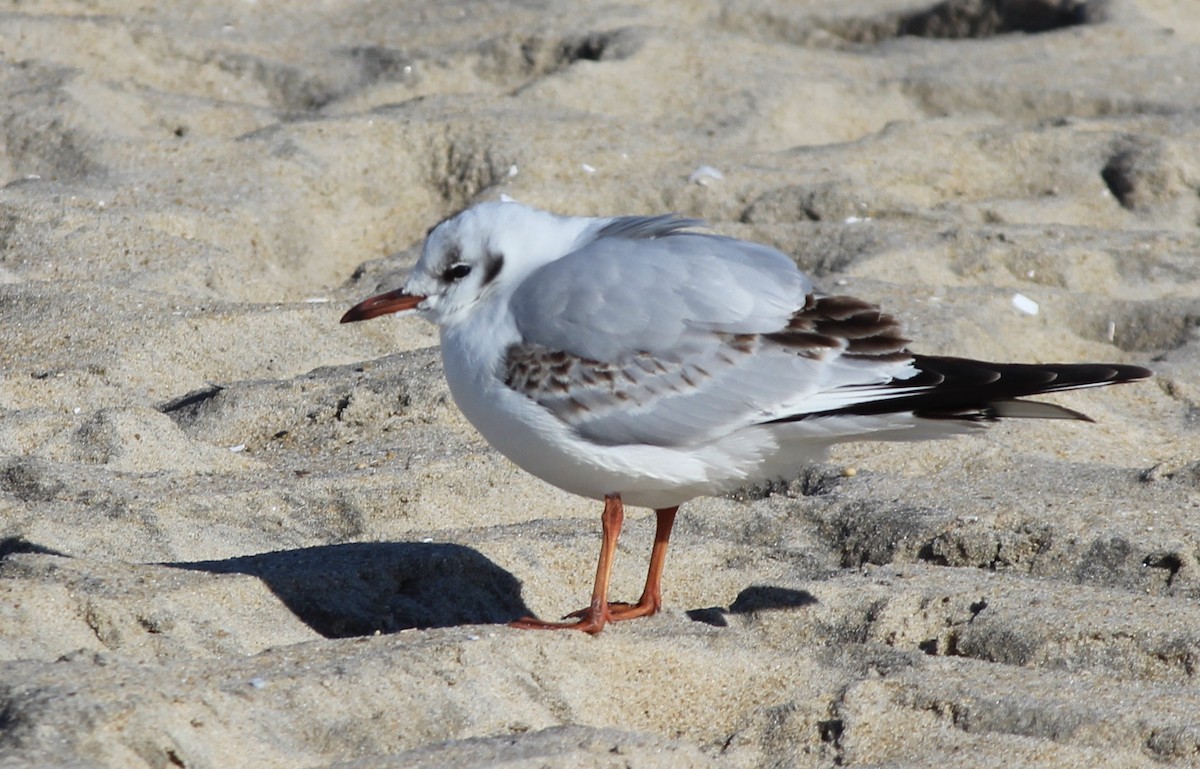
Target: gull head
479	255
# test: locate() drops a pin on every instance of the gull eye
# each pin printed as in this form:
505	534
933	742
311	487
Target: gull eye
456	272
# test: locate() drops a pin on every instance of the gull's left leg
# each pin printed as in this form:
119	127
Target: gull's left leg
651	600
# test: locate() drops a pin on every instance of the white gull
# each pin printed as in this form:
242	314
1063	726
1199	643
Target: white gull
632	360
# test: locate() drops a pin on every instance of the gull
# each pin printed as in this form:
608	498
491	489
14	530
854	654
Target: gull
633	360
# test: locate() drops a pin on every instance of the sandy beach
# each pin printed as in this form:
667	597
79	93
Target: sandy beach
234	533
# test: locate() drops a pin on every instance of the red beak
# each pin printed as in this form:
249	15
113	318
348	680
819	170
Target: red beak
392	301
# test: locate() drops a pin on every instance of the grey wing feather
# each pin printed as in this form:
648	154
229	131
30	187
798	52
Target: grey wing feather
643	227
615	296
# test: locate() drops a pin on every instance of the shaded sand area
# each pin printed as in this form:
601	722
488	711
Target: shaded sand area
234	533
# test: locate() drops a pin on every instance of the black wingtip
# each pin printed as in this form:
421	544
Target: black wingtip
994	390
1131	373
960	389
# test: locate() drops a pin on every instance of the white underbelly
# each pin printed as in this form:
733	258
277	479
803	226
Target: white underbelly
538	442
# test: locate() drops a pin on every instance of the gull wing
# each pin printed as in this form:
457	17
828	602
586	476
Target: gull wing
684	338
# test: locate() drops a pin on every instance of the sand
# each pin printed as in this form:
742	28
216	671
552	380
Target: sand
234	533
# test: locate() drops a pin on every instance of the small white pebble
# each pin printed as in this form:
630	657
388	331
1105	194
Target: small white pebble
1110	331
426	540
76	410
317	299
258	683
513	170
705	175
588	169
1031	273
238	448
1025	304
507	198
472	637
856	219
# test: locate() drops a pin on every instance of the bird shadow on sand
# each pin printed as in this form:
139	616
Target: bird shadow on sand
15	545
752	600
362	588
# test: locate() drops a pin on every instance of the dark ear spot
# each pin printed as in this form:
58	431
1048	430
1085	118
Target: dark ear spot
492	266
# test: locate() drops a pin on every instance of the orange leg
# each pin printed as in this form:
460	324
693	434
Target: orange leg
601	612
651	600
594	617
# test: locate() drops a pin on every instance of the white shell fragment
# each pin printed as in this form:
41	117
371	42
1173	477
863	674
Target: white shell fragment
705	175
1025	304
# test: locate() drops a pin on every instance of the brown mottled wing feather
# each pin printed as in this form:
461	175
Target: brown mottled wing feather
856	328
570	385
621	401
